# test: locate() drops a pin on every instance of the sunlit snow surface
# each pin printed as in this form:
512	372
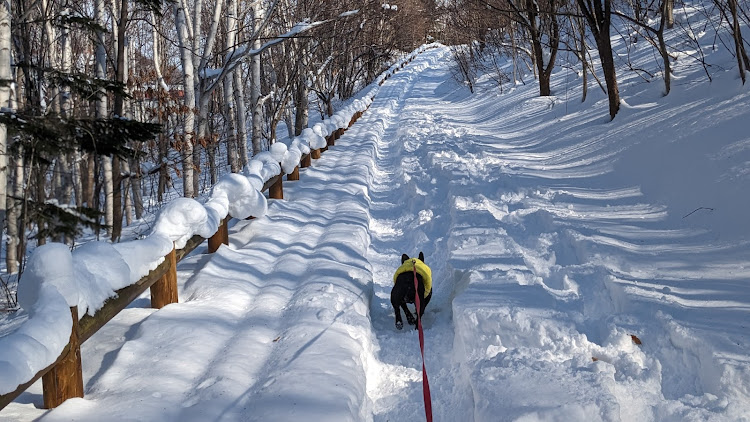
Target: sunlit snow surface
553	234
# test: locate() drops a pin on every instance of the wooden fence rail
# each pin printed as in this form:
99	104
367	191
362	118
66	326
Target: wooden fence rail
63	379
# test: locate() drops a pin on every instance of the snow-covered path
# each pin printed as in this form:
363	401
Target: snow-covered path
410	212
555	242
561	293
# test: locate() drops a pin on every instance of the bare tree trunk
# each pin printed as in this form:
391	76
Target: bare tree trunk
289	123
22	197
608	67
126	193
532	19
101	112
663	46
67	162
202	144
60	166
157	57
197	146
514	55
15	205
40	196
743	63
212	169
257	110
5	102
119	110
231	128
189	99
116	199
228	86
57	169
163	170
87	180
241	110
599	16
137	184
64	194
64	166
79	175
92	198
163	144
582	56
53	52
66	66
669	12
109	187
301	105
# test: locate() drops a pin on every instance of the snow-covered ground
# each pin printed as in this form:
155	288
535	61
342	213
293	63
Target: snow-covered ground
557	240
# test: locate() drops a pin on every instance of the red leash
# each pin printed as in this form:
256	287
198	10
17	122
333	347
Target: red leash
425	382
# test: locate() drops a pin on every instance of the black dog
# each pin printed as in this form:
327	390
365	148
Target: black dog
403	288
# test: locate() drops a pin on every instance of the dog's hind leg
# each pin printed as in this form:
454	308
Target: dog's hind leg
409	316
399	321
396	303
423	304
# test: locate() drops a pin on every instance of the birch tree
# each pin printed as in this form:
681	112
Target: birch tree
6	78
241	119
188	87
255	84
101	110
121	76
230	113
200	83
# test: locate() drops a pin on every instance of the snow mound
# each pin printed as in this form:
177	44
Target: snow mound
40	340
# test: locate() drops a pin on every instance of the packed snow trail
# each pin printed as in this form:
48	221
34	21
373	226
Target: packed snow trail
409	212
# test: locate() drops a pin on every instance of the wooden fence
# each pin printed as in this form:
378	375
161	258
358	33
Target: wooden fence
63	379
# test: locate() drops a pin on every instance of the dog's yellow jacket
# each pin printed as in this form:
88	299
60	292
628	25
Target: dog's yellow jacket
422	269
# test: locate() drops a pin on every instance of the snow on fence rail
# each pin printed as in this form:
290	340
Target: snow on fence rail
70	296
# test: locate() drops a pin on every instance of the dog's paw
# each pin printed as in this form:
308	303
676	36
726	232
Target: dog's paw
410	318
399	325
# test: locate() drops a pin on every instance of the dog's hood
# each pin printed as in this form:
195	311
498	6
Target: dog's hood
422	269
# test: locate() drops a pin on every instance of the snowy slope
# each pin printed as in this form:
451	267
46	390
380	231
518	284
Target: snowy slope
553	234
557	236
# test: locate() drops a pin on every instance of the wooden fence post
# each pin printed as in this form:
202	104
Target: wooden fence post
164	291
220	237
331	140
306	161
293	175
276	191
65	380
315	153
